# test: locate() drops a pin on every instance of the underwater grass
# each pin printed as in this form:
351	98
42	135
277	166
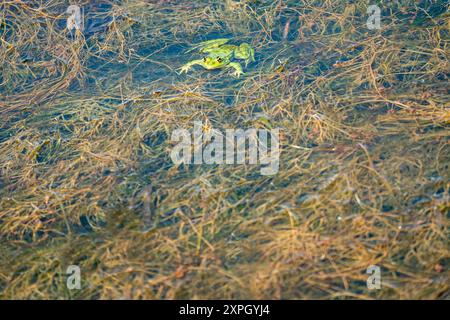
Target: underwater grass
86	178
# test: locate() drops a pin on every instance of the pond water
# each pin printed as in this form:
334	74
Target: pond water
89	120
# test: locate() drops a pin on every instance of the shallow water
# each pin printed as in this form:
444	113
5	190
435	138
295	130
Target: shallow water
87	178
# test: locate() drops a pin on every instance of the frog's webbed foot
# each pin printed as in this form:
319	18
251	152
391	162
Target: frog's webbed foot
237	69
185	68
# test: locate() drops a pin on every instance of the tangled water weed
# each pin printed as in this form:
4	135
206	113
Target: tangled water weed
86	177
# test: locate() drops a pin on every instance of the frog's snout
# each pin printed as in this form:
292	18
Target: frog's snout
212	63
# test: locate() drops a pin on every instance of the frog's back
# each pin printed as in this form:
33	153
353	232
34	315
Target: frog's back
228	47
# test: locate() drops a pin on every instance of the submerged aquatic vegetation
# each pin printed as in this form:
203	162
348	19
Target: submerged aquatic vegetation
85	138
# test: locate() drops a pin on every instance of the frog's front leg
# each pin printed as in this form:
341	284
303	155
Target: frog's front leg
237	68
188	65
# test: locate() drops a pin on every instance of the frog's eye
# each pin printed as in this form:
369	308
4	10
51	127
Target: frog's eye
219	59
204	59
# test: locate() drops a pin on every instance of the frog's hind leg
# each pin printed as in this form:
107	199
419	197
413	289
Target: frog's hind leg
245	52
252	56
209	44
237	68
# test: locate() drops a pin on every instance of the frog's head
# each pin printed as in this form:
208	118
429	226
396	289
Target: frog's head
214	62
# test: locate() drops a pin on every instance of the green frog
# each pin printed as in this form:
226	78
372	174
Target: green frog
220	55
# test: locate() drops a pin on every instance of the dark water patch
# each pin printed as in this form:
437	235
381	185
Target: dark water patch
387	208
155	139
